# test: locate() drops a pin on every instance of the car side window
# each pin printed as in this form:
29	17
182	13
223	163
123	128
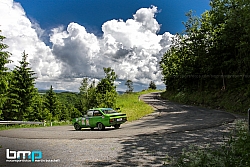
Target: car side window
90	113
97	113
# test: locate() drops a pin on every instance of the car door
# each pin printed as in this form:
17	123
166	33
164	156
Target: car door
97	117
89	118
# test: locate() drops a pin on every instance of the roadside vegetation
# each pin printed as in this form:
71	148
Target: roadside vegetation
234	101
132	106
46	124
209	65
128	103
234	151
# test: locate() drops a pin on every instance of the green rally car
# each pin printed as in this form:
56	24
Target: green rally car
100	118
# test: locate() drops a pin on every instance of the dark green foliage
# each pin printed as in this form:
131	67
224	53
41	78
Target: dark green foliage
106	90
4	75
84	86
21	92
51	103
129	85
37	106
88	98
213	53
152	85
69	105
102	95
236	101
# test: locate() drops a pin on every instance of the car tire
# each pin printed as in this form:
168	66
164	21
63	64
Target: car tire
100	126
77	127
117	126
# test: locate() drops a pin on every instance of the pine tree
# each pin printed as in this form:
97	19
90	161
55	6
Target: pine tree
4	74
21	92
51	103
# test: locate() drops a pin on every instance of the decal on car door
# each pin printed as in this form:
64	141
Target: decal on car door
87	121
83	121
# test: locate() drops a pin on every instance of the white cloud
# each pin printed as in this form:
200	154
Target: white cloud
132	48
22	36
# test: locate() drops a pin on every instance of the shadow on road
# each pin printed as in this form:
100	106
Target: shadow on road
152	150
184	125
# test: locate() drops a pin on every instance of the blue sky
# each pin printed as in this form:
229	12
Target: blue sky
67	40
93	13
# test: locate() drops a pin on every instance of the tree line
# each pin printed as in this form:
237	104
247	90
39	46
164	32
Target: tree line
213	53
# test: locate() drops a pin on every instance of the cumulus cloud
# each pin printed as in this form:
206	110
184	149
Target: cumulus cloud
133	48
21	35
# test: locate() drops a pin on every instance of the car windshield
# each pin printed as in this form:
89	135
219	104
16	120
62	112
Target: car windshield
109	111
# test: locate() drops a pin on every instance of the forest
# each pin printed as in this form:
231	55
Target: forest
209	63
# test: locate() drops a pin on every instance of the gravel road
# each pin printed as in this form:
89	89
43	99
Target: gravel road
144	142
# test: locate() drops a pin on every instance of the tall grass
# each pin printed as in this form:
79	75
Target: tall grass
130	104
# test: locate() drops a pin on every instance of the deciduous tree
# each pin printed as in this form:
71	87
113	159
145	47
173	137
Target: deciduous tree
129	85
106	90
152	85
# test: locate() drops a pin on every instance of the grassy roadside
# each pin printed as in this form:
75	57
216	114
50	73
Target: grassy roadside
128	103
236	101
55	123
234	151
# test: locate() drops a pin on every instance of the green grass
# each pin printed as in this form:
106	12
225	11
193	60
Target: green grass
234	101
55	123
134	108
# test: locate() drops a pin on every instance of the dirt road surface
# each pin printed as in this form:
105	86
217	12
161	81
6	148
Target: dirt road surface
145	142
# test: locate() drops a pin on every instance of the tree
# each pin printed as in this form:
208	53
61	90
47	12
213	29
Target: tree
152	85
213	46
51	103
84	86
129	85
4	74
106	90
37	106
87	95
22	91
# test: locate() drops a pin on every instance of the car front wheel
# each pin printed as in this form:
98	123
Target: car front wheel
117	126
100	126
